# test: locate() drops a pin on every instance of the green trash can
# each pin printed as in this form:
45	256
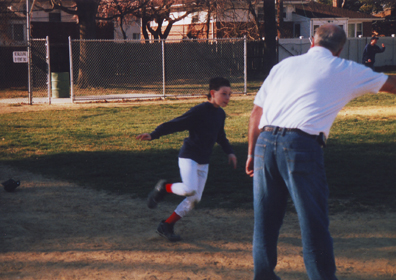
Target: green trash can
60	84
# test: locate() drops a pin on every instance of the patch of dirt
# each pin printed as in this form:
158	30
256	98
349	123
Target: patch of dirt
368	111
53	229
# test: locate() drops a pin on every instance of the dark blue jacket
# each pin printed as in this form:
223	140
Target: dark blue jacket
205	124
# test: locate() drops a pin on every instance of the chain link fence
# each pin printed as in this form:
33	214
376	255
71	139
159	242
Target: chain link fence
122	69
15	73
134	69
39	70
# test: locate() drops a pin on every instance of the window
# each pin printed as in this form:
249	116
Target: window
351	30
195	18
16	33
359	29
54	17
355	29
297	30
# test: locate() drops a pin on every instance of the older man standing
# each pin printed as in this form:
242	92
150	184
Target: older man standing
291	118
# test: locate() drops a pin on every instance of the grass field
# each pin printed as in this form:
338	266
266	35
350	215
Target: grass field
96	147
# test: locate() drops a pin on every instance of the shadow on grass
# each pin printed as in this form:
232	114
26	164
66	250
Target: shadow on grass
136	173
360	176
362	173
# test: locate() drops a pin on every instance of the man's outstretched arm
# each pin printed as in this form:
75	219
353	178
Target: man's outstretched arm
390	85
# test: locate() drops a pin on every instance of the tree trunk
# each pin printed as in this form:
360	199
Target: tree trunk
279	8
86	17
208	23
270	58
145	22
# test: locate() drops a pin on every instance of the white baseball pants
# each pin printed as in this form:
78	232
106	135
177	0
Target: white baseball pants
193	177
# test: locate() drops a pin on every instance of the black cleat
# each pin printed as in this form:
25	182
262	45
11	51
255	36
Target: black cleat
156	195
166	231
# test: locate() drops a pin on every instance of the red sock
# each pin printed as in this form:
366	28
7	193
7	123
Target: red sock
168	188
173	218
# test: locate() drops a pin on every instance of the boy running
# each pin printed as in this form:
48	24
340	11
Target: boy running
205	123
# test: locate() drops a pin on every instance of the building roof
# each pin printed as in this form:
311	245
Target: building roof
318	10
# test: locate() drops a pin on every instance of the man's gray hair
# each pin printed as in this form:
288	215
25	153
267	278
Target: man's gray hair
330	36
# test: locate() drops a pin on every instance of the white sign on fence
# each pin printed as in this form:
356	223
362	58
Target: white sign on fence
20	57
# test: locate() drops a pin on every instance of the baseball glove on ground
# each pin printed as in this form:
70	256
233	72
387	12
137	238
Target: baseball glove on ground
10	185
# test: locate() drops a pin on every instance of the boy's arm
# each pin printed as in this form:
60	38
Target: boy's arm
227	148
223	142
144	136
180	123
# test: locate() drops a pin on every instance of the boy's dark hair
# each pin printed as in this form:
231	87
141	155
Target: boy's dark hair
217	83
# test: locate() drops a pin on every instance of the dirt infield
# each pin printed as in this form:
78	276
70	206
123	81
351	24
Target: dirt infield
57	230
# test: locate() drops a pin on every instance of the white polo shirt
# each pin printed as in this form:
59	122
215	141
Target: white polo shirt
308	91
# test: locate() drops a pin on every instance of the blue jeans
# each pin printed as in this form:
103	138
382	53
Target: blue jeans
290	163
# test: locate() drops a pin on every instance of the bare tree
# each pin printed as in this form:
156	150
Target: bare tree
88	12
120	11
165	13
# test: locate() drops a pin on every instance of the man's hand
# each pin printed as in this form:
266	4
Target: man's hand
249	166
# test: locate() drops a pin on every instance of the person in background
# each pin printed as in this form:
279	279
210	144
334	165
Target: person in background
370	51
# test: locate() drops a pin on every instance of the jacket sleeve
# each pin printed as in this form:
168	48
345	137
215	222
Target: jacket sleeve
180	123
223	142
381	50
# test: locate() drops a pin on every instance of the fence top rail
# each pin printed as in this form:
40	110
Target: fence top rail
159	40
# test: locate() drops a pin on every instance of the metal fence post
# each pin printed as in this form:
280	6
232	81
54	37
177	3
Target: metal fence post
49	81
30	96
71	71
245	65
163	67
393	49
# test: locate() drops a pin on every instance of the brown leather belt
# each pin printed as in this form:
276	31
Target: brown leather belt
321	138
275	129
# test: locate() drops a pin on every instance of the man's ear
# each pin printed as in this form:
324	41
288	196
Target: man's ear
212	92
312	42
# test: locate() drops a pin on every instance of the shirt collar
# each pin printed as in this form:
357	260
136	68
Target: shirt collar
320	50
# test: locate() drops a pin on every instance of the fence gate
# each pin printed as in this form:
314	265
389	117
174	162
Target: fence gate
40	80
